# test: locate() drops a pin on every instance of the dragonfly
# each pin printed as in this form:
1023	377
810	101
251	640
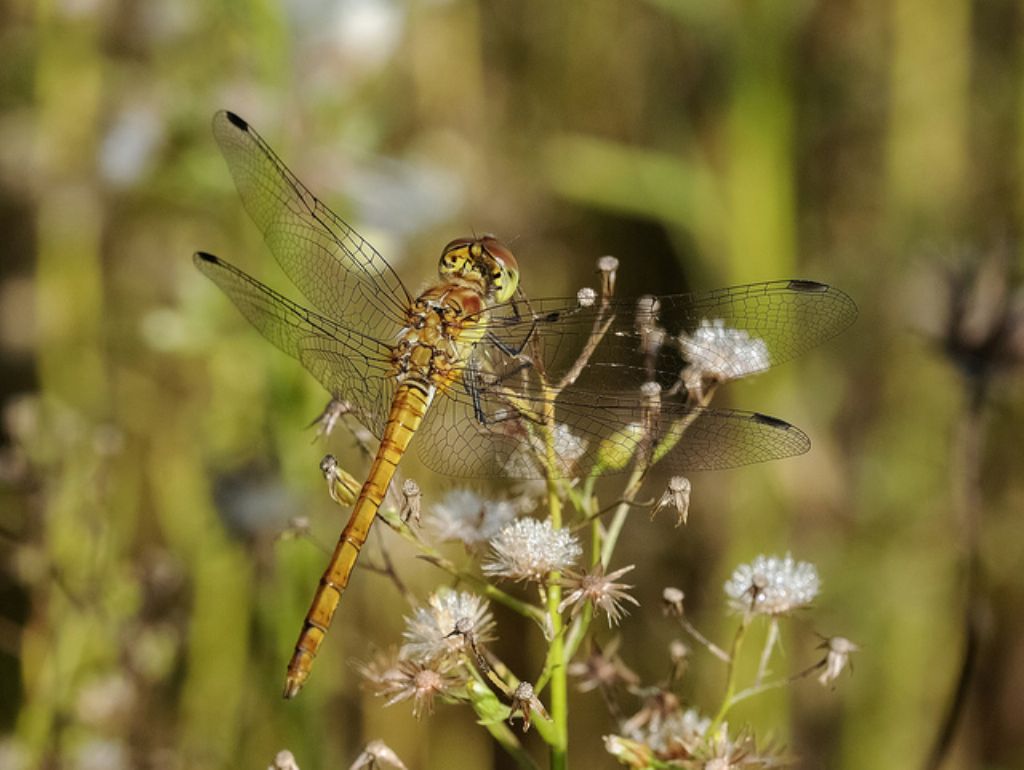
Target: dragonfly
484	376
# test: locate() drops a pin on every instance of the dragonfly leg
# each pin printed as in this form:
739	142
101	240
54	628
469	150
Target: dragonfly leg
511	350
472	382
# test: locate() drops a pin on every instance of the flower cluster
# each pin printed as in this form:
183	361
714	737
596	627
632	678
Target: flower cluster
771	585
429	664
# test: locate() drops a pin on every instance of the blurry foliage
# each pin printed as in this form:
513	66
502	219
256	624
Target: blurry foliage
153	444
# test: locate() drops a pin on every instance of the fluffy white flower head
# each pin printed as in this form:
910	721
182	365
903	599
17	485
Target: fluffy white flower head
667	734
569	448
428	631
529	549
771	585
722	353
469	517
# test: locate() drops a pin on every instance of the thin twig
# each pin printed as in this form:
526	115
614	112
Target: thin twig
711	647
766	653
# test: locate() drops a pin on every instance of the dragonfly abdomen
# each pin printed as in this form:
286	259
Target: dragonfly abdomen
407	409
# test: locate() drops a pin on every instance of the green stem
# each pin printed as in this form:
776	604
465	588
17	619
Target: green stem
510	743
621	512
730	686
556	656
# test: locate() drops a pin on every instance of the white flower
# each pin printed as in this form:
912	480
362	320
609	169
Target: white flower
464	515
430	631
528	549
586	297
772	586
669	733
721	353
569	448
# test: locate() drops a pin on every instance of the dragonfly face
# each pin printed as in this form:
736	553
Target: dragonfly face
482	262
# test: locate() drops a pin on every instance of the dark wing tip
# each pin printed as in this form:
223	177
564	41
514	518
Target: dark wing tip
772	422
798	284
236	121
845	308
796	441
202	256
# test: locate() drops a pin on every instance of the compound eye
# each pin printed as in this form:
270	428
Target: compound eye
500	254
458	243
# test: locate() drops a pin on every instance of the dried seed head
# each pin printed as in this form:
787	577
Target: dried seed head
524	700
412	501
678	651
422	683
600	590
647	309
377	755
672	601
329	417
666	729
603	668
586	297
771	585
529	549
284	760
679	658
629	753
608	266
676	496
449	623
839	651
341	485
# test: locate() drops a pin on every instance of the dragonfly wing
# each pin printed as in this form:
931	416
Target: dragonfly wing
642	340
601	404
454	442
327	260
604	428
351	365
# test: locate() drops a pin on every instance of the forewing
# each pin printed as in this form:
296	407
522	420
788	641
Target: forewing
790	317
352	366
331	264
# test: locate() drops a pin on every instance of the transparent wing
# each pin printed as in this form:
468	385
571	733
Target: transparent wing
329	262
351	365
642	342
609	429
475	429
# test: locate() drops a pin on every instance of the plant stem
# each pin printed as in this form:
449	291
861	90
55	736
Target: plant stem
556	655
619	518
766	653
730	686
508	741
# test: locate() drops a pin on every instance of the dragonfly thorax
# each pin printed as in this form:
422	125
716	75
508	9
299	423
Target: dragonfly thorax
441	328
482	262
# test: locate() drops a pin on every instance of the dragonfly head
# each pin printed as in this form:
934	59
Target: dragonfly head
484	262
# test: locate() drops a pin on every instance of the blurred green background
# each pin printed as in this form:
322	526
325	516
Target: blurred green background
154	444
